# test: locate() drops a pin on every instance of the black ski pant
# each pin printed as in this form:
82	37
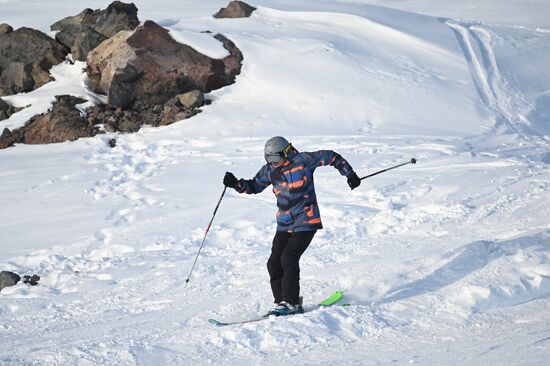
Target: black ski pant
283	264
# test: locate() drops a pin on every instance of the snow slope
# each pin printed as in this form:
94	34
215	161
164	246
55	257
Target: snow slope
444	262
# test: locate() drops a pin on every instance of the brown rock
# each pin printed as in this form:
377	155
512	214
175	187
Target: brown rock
63	122
235	9
148	67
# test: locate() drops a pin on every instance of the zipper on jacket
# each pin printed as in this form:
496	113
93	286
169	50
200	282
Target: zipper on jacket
289	193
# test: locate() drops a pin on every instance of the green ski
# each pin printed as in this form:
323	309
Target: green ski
332	299
329	301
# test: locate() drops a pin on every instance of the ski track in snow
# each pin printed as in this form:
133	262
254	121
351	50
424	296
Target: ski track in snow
500	98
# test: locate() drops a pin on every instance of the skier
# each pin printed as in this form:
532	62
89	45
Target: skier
291	174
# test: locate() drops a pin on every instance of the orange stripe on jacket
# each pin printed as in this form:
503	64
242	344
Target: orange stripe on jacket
298	183
314	221
301	167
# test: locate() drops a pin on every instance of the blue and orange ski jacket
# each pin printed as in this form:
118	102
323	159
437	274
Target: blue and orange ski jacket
293	186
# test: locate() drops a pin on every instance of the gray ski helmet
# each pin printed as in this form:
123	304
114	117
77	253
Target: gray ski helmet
276	148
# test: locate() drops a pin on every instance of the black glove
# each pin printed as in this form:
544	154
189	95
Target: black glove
230	180
353	180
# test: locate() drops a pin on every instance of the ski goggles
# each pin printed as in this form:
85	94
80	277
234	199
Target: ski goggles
275	157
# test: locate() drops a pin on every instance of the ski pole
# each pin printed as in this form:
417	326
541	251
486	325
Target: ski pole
413	161
206	233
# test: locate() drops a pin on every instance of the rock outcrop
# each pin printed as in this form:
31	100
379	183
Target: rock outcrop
148	77
235	9
26	56
147	67
84	32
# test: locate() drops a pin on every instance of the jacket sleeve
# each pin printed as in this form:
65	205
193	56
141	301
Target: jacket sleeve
255	185
328	157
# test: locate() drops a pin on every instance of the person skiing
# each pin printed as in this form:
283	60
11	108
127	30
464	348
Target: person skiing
298	218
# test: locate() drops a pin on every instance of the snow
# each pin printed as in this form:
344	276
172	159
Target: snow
443	262
205	43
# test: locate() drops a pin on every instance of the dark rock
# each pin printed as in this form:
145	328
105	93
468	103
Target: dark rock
84	42
84	32
6	110
31	280
118	120
122	91
235	9
7	139
69	27
232	62
118	16
8	279
5	28
112	142
147	67
63	122
26	56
